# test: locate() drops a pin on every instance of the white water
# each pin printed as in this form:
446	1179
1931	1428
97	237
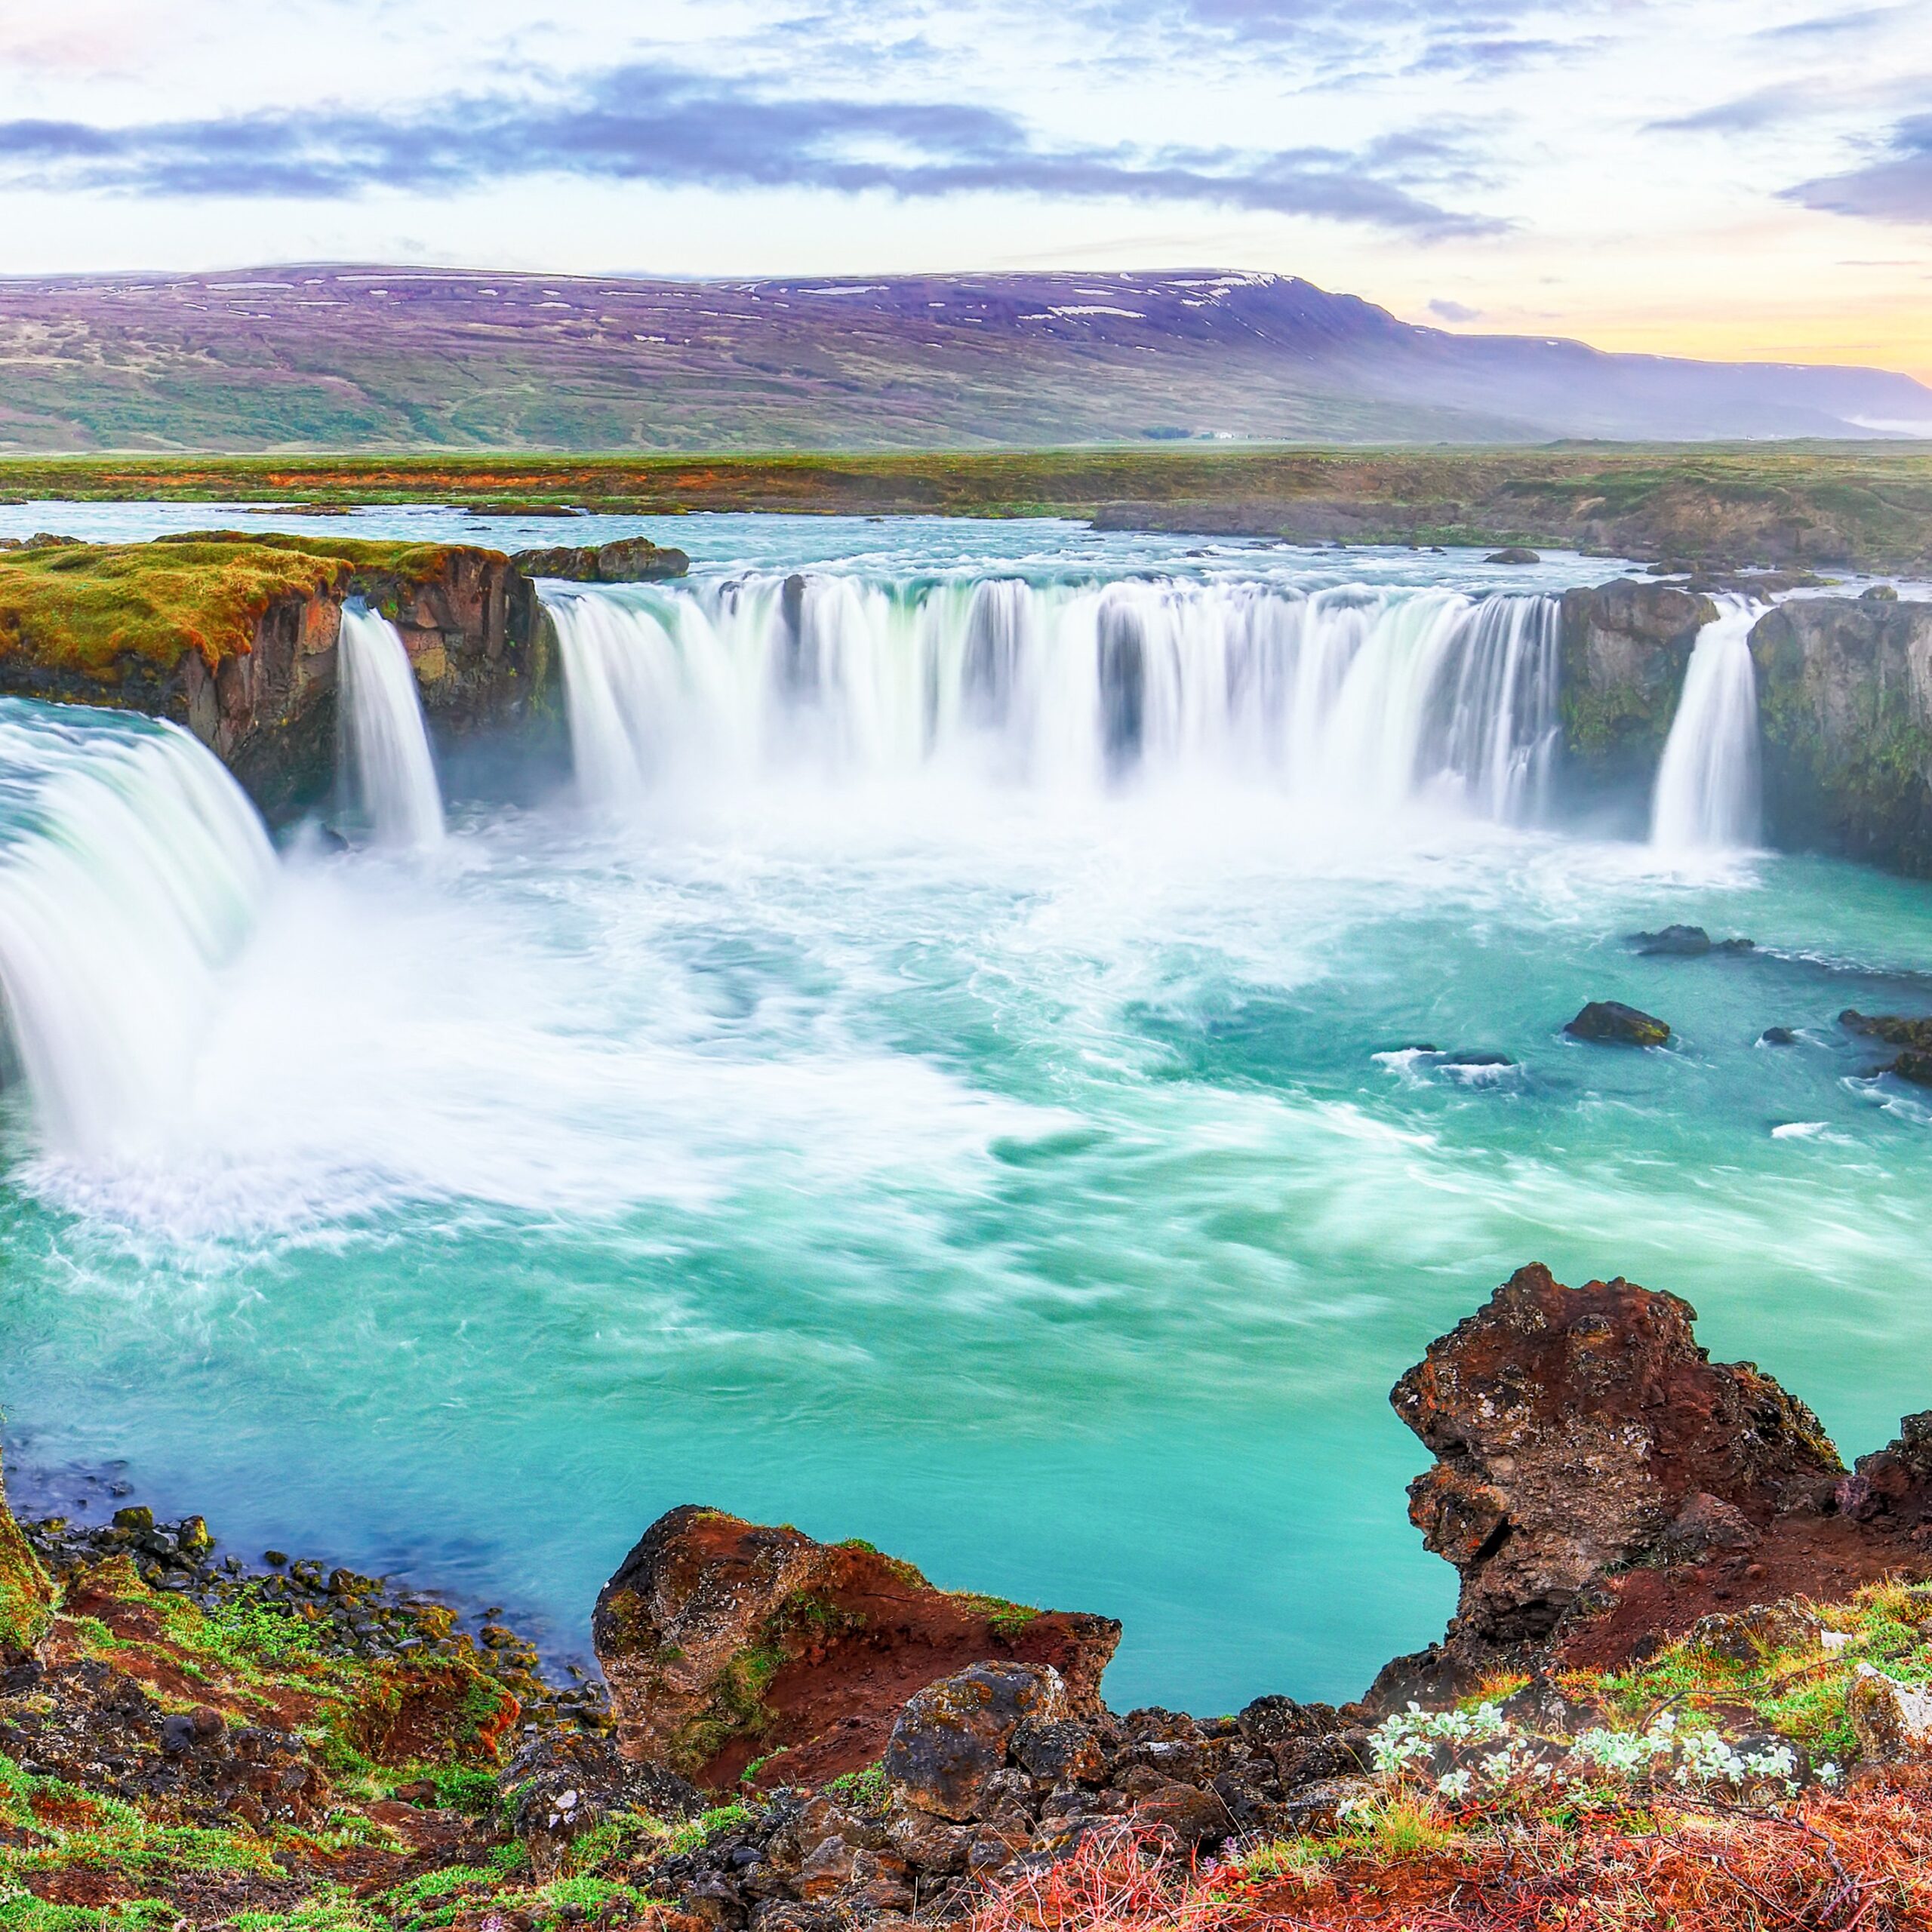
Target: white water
386	742
131	869
1362	698
1708	787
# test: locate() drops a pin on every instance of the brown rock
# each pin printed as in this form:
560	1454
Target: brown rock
1185	1815
723	1641
951	1741
1572	1426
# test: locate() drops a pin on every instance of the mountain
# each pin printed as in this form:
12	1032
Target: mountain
358	359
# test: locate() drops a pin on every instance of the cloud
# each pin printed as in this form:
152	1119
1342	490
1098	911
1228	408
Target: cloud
652	124
1454	311
1788	100
1832	26
1895	186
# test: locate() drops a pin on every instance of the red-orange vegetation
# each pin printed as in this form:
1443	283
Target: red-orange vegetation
1858	1862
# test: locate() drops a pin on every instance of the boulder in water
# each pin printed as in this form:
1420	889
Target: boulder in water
1914	1066
1891	1028
1685	943
1879	593
1514	553
1777	1036
629	560
723	1641
1611	1022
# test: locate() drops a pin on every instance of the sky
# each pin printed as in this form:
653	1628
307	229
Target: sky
1742	179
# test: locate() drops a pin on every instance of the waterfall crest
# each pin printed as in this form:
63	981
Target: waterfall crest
1357	697
132	867
1709	795
385	742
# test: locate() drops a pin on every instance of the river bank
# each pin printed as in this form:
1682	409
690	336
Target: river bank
804	1735
1863	506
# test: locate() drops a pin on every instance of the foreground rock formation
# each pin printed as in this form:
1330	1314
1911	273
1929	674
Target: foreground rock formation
1701	1657
724	1642
1601	1484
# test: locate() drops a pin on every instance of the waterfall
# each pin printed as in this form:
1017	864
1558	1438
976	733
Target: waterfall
1708	787
131	869
1354	697
385	741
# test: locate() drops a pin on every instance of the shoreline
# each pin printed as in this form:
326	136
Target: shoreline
798	1735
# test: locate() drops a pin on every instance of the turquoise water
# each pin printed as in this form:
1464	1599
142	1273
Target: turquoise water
1039	1189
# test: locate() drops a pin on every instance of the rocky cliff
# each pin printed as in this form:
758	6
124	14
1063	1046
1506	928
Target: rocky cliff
1845	699
235	637
1626	647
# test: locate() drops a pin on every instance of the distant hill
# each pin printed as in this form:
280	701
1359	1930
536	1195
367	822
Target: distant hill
351	358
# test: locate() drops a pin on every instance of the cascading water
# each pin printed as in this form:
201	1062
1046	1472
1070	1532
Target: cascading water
1363	699
1708	794
385	741
131	869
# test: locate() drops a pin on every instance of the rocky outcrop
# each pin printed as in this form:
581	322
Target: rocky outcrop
26	1592
724	1641
1844	702
629	560
1575	1430
235	637
477	641
1625	647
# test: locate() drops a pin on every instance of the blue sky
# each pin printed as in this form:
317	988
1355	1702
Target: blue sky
1706	176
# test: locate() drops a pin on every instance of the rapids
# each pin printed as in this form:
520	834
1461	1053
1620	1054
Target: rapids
885	1092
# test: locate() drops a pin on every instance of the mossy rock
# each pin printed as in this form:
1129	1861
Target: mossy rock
26	1591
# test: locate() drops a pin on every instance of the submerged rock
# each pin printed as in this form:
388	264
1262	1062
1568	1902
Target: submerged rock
1576	1429
1685	943
723	1641
1611	1022
1777	1036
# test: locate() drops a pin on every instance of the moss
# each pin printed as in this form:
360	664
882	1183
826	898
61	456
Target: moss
26	1592
1006	1620
98	611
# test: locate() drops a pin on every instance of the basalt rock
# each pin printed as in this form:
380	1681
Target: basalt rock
629	560
26	1591
724	1641
1626	648
1576	1431
1609	1022
235	637
1845	701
